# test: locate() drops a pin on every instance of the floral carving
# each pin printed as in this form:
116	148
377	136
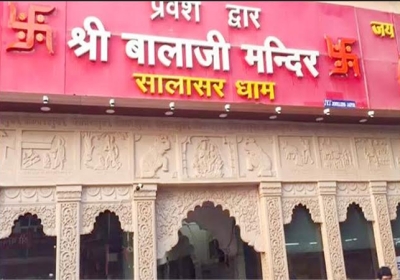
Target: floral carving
311	203
172	207
9	214
333	239
278	252
385	231
393	203
68	242
364	202
92	210
145	240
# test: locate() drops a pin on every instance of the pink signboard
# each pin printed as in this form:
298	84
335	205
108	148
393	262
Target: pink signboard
284	53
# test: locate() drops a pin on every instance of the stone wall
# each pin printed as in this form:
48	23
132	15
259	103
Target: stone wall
38	150
152	172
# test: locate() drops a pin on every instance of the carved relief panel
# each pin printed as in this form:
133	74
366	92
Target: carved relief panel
256	157
297	153
105	153
47	154
155	157
7	155
208	157
373	153
336	154
395	145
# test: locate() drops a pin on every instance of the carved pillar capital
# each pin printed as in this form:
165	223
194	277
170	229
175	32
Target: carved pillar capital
68	231
327	187
145	255
69	193
378	187
144	191
269	189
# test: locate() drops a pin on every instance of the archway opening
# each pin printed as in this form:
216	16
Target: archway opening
107	252
358	244
210	247
305	253
396	233
28	253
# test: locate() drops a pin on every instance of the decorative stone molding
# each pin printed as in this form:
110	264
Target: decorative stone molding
354	193
393	203
172	207
145	260
154	150
330	230
116	199
311	203
9	214
274	262
16	202
300	194
393	199
90	211
382	226
68	232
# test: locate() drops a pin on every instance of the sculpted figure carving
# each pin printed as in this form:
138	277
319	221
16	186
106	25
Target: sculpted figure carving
101	151
207	161
51	155
56	156
155	158
299	157
257	159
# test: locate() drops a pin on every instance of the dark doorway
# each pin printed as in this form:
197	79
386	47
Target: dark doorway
107	252
28	253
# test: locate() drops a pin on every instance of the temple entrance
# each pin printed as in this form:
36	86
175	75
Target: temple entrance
107	252
210	247
28	253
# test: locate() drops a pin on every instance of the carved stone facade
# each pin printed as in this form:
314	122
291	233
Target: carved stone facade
68	235
152	172
274	263
145	233
331	231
